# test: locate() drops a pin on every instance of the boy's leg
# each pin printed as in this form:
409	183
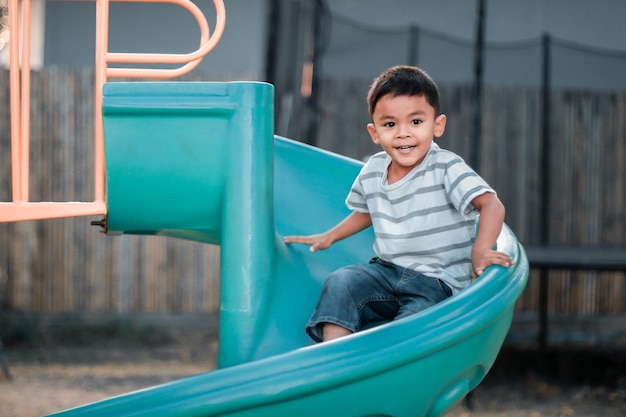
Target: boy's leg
334	331
418	292
352	297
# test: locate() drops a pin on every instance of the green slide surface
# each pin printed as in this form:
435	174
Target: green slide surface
200	161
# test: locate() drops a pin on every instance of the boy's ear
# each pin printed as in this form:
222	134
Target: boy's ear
440	125
371	129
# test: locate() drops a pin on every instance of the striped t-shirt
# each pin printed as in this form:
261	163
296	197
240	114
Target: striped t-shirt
424	221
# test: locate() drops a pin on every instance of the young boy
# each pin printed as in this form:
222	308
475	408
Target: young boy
422	202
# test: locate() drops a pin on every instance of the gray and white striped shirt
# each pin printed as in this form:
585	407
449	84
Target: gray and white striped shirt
425	221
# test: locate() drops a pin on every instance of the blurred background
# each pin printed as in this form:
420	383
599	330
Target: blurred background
535	95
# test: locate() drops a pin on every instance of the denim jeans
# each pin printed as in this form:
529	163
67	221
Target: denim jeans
357	295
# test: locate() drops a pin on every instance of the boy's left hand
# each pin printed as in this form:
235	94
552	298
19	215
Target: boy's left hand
481	259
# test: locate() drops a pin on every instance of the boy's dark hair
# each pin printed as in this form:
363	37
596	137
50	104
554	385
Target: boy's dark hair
403	80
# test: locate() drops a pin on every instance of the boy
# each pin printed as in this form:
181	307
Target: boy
422	202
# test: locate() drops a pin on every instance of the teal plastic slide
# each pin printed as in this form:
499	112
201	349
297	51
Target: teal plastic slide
200	161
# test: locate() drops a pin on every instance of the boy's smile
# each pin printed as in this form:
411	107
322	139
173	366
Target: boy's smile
405	126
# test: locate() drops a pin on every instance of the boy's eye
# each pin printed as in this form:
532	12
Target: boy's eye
416	121
389	124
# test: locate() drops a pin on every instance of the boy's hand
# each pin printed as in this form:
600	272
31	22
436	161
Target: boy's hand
317	242
353	223
481	259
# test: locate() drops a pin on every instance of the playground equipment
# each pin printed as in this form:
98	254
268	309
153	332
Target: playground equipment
200	161
19	51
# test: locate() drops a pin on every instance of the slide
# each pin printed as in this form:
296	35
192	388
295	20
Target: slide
200	161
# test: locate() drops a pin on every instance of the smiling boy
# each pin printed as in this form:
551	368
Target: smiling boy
423	203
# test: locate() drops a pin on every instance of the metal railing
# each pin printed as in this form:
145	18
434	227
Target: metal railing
21	208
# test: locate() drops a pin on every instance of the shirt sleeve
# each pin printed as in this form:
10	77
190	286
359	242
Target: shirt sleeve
463	185
356	197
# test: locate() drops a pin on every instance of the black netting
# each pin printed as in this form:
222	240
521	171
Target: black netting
514	63
357	51
353	50
579	66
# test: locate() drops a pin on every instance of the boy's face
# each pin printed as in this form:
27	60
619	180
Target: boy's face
405	126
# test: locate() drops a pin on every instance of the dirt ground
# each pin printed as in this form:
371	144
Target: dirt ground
50	377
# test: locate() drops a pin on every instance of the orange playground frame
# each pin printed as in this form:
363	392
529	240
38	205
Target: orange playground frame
21	208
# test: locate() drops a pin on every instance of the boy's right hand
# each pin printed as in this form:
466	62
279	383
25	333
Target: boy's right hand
353	223
317	242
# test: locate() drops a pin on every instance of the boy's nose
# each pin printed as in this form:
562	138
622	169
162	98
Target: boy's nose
402	132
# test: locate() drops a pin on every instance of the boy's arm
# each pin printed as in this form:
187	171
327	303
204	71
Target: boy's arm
489	228
353	223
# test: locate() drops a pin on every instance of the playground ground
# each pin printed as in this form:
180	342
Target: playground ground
53	376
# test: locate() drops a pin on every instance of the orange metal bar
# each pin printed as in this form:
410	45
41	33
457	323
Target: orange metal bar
16	124
102	45
20	208
207	43
16	212
25	99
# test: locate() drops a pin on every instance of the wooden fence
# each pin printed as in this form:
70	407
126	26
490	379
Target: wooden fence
67	266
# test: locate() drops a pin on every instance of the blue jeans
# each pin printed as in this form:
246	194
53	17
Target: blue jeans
357	295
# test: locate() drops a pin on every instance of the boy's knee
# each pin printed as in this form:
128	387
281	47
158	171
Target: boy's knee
340	280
